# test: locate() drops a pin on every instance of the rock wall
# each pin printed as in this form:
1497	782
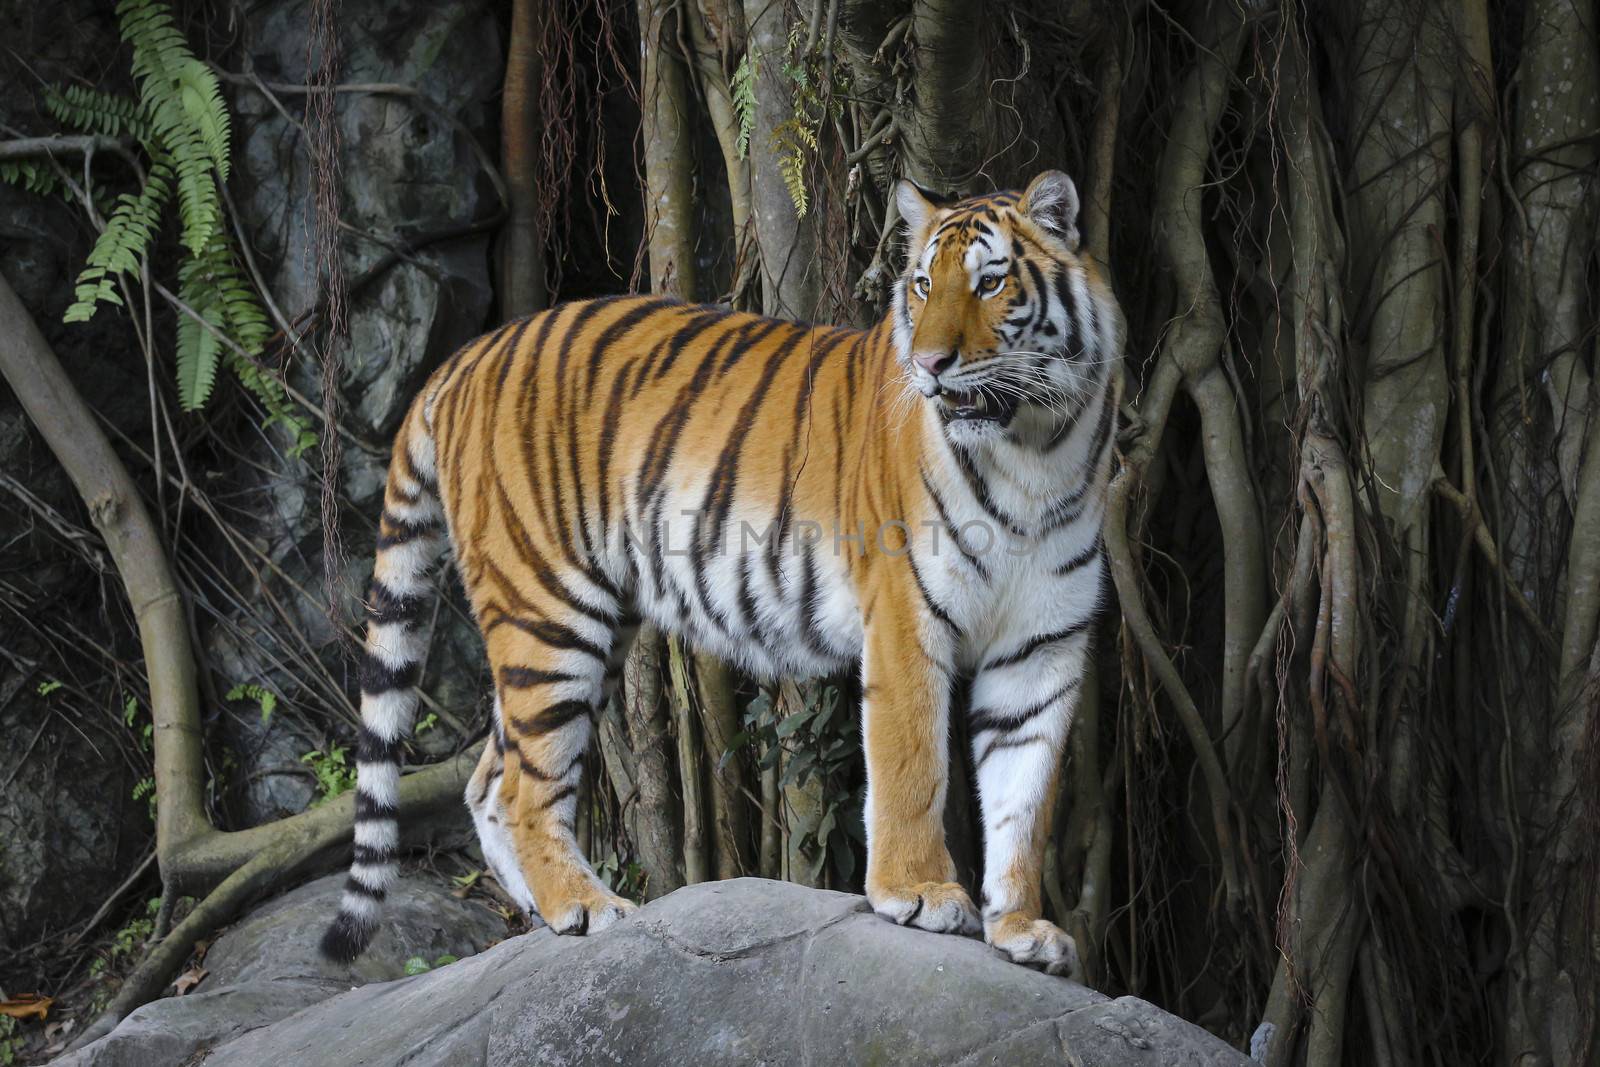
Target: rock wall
69	827
405	173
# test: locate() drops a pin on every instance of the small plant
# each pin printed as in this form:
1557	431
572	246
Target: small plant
126	942
264	698
624	879
180	123
11	1041
145	733
418	965
817	742
146	788
428	722
743	88
46	688
335	777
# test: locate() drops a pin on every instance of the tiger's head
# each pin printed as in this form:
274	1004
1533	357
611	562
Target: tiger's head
996	317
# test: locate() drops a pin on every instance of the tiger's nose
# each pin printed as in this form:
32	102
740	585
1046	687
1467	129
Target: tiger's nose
934	363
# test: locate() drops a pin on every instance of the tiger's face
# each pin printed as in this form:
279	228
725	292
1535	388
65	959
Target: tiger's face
990	315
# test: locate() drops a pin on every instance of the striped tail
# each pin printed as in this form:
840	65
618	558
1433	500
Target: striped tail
411	538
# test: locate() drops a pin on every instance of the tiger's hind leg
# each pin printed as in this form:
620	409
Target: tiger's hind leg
550	677
489	815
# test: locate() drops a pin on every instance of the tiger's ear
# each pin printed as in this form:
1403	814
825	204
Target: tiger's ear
1051	201
915	207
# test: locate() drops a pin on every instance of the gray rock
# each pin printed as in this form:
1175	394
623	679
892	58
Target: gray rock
740	972
267	967
279	940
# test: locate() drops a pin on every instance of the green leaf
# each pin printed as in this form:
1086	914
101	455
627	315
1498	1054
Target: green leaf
198	354
791	723
417	965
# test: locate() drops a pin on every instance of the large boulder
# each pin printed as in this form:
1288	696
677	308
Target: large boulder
739	972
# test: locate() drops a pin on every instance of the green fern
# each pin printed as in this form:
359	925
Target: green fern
98	112
791	139
264	698
180	121
31	176
743	87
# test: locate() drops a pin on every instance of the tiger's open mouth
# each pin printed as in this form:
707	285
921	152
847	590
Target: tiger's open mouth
957	406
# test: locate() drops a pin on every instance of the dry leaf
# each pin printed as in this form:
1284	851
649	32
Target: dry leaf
56	1035
26	1006
189	979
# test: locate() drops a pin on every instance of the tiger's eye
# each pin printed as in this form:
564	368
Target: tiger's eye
990	283
921	285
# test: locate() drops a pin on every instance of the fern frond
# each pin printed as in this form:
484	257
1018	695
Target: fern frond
743	88
199	352
187	114
92	111
31	176
127	236
790	139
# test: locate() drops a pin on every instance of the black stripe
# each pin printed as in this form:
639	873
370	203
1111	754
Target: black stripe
997	743
1069	309
513	343
664	442
719	492
558	796
1082	559
586	312
393	530
558	636
1041	292
377	677
368	854
370	748
689	333
614	332
1033	644
528	677
386	607
944	518
927	597
554	717
370	809
980	492
357	887
535	561
983	719
747	604
535	773
809	631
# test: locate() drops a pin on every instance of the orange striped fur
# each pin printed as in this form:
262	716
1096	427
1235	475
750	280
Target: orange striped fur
795	499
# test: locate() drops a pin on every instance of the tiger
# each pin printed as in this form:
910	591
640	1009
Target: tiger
921	501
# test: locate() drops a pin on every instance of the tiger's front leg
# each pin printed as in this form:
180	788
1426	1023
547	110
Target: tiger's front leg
1022	706
911	879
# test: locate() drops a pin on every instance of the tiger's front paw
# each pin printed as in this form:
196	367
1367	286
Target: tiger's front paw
1035	943
939	907
588	914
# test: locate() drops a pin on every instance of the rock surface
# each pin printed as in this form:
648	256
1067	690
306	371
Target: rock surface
740	972
267	967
